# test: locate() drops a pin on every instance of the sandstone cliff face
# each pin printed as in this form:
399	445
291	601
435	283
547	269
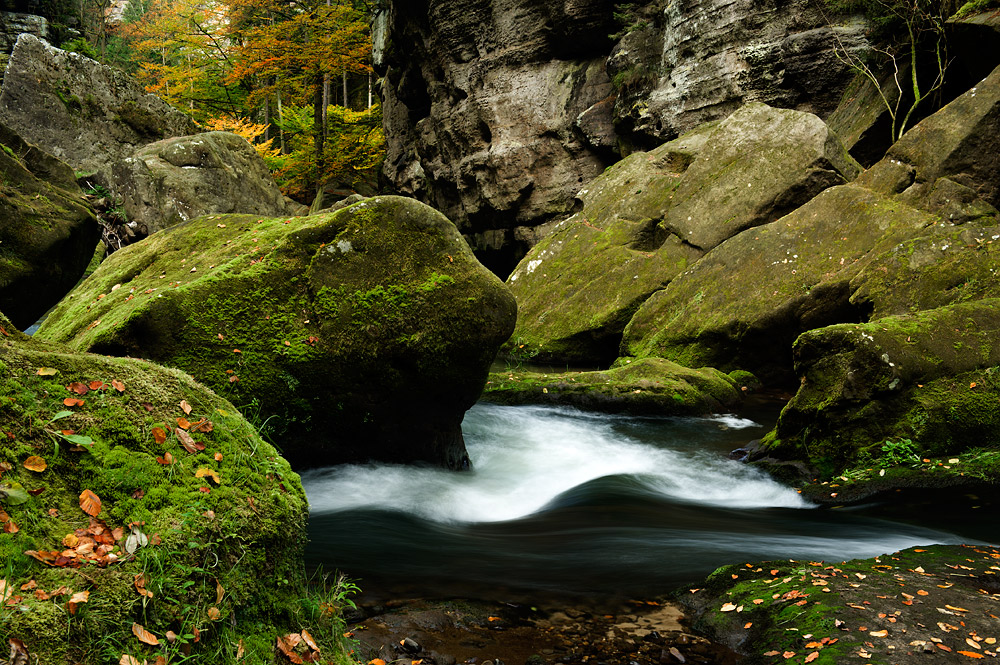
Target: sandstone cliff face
86	114
481	99
696	61
499	111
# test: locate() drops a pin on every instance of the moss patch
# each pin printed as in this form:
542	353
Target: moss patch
646	386
217	532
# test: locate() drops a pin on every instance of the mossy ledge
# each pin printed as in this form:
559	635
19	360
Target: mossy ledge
894	608
223	528
635	386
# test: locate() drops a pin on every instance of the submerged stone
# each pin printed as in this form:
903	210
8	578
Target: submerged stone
362	334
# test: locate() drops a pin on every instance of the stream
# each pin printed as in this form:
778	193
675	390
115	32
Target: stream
564	503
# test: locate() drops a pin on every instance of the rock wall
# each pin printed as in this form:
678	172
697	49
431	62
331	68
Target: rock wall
498	112
480	104
86	114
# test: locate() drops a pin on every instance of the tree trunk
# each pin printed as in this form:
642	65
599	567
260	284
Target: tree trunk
318	142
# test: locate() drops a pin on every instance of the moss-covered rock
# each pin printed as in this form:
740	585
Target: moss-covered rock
47	233
645	386
362	334
203	540
745	302
930	378
946	264
895	608
652	215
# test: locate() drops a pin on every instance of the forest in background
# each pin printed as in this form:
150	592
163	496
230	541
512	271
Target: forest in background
293	77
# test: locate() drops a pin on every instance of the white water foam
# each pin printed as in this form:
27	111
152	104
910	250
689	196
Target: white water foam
525	457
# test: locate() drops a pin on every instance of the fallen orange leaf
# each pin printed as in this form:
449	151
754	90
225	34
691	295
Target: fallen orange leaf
76	599
118	385
971	654
159	436
72	401
90	503
144	635
185	407
35	463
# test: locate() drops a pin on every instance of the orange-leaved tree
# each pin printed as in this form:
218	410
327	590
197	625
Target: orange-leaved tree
290	50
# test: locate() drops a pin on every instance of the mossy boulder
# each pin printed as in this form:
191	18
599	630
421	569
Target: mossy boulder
745	302
931	377
47	233
641	386
946	264
180	178
203	541
652	215
361	334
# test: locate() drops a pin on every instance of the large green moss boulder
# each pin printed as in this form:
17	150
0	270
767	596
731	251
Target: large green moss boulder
930	377
142	515
639	386
47	233
362	334
746	301
652	215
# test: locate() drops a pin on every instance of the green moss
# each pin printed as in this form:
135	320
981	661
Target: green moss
374	306
650	385
243	535
975	7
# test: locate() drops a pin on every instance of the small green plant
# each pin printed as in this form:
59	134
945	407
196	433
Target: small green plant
896	453
519	353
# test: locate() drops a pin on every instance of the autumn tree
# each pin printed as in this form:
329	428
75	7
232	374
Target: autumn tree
290	50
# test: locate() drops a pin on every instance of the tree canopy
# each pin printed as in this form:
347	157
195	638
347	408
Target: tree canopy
293	77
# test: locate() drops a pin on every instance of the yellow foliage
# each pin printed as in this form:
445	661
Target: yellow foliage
248	129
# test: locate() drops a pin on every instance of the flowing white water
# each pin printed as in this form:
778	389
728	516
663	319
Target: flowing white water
573	502
525	457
